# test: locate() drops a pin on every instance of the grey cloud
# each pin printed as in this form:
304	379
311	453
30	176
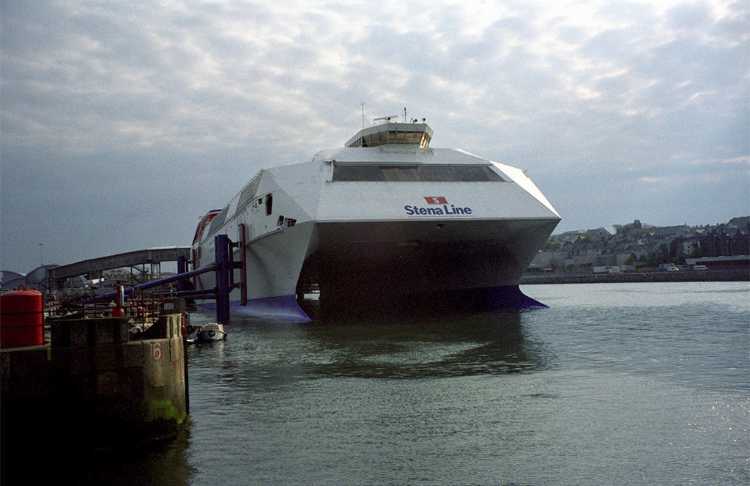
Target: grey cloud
570	34
734	26
633	13
617	45
690	16
689	60
150	114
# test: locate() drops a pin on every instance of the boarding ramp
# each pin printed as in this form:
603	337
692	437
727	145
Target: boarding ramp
131	259
223	268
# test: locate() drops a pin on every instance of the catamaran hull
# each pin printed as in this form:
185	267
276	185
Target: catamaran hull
355	265
385	219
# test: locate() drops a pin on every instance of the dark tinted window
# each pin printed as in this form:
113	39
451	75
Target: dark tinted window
248	193
400	173
218	221
357	173
414	173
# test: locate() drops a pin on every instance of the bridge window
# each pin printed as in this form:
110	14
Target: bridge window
414	173
218	221
248	193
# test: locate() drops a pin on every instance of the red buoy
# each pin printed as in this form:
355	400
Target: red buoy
21	319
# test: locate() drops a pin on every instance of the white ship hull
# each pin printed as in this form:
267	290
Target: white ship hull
309	226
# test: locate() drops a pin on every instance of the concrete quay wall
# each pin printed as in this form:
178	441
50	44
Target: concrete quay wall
92	388
735	275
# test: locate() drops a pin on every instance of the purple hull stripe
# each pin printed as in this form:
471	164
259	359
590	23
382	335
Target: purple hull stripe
483	299
284	308
511	296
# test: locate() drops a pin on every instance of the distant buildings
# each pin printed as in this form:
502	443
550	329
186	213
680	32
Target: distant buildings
35	279
637	246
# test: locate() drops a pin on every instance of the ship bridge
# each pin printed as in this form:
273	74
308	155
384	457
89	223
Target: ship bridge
391	133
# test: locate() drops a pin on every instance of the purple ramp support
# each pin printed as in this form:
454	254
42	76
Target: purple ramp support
282	308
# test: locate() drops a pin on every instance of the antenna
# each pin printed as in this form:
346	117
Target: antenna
404	114
386	118
363	114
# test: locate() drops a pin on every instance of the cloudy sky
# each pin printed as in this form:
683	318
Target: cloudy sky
123	122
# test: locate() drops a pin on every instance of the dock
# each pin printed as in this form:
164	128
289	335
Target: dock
105	372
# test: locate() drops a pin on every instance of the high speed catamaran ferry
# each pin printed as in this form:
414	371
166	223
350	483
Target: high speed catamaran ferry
385	219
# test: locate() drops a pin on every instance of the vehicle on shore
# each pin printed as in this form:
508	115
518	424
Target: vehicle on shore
668	267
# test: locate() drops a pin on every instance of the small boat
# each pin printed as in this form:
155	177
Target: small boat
211	332
206	333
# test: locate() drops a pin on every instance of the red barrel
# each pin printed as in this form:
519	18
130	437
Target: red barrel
21	319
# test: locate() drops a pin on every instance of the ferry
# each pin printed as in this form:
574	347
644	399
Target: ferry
385	218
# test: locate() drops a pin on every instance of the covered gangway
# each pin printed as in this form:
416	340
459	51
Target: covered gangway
94	266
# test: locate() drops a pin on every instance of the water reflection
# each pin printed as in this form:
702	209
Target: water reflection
153	463
425	346
262	356
488	398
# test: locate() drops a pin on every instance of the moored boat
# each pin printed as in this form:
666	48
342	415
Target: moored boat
206	333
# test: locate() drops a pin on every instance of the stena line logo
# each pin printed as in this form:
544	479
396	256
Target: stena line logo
437	206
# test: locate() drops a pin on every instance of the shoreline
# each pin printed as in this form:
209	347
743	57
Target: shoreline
734	275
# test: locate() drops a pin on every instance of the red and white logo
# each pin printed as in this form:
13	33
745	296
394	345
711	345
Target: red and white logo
436	200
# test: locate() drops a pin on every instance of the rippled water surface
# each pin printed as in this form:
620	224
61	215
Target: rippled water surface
613	384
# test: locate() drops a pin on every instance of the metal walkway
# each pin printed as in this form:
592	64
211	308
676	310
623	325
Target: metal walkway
58	274
223	266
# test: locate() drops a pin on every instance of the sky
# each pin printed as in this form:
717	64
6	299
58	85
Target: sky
124	122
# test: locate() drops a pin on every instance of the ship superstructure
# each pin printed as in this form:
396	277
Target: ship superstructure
385	217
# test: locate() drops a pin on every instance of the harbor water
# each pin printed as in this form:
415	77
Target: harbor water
637	383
